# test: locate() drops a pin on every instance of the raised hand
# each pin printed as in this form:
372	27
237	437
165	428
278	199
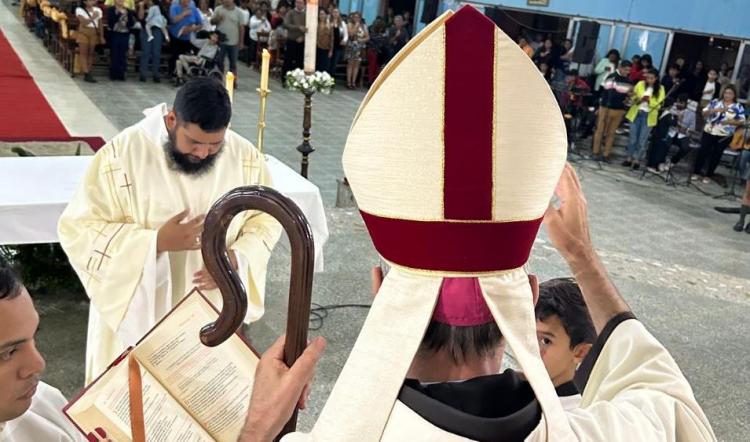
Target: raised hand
568	225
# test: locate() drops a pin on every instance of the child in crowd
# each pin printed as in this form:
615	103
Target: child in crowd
155	19
566	333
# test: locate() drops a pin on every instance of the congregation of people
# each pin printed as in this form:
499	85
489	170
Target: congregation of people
208	33
694	102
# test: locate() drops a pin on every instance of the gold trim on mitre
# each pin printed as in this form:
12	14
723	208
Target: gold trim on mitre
450	274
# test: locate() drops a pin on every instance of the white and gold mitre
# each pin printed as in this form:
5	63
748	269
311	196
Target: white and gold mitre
455	151
453	157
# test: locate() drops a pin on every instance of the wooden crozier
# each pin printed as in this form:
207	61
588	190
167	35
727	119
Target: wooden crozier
233	294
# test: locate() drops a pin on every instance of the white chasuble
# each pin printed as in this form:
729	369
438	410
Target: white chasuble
635	391
110	227
44	421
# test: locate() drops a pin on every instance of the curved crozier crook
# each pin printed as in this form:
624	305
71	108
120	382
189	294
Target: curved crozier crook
233	294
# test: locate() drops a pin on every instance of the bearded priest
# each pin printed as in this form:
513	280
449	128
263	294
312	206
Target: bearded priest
132	230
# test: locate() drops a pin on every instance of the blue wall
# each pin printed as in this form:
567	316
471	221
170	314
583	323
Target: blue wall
716	17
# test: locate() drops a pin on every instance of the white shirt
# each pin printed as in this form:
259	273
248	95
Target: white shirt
206	16
258	25
708	91
96	15
644	104
245	17
44	421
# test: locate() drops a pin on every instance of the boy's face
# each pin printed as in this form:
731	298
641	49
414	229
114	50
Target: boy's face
554	343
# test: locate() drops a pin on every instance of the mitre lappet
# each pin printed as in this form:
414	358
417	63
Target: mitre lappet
453	158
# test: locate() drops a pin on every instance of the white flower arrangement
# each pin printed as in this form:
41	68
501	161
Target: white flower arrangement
318	82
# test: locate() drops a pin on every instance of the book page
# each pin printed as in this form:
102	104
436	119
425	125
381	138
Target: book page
105	408
212	383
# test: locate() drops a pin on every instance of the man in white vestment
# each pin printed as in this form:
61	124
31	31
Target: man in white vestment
30	410
483	168
633	388
132	230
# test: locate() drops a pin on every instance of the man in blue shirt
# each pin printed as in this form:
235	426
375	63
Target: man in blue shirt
184	19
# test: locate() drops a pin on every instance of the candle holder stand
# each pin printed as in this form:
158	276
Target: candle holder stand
263	93
306	148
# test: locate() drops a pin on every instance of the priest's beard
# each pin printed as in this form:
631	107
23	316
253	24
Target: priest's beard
186	163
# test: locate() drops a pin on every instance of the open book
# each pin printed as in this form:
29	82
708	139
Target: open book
191	392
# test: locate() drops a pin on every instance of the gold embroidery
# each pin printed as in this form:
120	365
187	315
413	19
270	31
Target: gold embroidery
99	233
106	247
128	187
109	171
91	276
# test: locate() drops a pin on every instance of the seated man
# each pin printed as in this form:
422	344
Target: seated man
30	410
565	334
572	100
673	128
209	48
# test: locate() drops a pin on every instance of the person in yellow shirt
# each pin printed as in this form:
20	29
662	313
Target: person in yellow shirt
648	96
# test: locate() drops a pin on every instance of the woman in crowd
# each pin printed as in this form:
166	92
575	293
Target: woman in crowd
648	96
546	54
645	63
358	38
725	74
566	56
120	20
206	14
258	24
277	17
695	81
722	116
635	69
390	15
606	66
324	50
546	71
340	39
710	90
89	35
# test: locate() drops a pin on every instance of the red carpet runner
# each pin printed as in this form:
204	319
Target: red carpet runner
25	115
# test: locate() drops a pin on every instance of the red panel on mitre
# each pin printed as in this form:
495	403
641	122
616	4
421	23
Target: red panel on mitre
469	111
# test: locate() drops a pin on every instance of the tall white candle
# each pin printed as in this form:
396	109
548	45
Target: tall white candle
311	37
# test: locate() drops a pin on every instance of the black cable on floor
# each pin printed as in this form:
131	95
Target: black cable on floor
318	313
